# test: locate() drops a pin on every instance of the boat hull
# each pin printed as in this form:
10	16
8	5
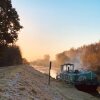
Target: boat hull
87	88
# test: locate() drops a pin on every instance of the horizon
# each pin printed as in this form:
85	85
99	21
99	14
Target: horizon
54	26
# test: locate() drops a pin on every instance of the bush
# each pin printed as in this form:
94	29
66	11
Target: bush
10	55
25	61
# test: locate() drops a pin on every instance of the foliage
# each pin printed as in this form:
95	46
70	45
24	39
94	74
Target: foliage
25	61
61	58
9	23
9	27
85	56
10	55
91	57
42	62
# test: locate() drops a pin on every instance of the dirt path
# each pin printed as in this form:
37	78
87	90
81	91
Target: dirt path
25	83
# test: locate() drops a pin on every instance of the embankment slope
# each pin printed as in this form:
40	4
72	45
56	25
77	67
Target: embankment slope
25	83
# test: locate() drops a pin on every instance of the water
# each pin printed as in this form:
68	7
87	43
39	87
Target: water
45	70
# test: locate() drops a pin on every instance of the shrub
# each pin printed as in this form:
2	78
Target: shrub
10	55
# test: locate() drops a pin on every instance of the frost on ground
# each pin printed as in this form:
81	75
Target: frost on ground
25	83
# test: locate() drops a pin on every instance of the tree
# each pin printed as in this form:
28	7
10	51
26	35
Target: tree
9	23
91	57
9	28
61	58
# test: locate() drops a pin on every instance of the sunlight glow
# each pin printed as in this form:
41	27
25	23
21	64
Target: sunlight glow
52	26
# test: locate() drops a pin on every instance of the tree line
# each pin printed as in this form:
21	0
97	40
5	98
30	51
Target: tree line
87	57
9	28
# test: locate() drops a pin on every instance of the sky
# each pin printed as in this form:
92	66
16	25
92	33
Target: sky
53	26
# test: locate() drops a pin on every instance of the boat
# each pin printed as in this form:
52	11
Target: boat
83	80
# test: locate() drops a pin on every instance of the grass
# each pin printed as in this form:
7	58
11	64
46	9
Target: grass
1	90
22	88
34	92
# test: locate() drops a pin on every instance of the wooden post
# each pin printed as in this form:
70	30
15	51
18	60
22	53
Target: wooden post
49	73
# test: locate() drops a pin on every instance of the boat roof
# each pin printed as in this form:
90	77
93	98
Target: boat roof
68	64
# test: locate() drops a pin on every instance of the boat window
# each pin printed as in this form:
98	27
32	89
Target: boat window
64	68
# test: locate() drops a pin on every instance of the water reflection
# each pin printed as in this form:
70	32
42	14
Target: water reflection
46	70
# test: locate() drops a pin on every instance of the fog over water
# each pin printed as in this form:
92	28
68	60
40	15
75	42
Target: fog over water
45	70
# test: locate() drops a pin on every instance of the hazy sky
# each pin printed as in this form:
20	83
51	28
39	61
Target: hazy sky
52	26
